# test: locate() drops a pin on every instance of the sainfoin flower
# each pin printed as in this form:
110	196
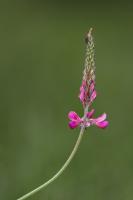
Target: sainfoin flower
77	121
87	92
87	98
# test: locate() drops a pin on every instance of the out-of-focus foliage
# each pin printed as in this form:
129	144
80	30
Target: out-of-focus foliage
41	61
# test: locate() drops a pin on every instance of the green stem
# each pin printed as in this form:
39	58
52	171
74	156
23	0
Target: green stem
60	171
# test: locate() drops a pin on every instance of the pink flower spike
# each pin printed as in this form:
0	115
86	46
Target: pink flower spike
93	96
73	116
88	93
90	114
103	124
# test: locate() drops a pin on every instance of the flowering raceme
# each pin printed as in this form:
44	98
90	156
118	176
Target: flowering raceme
87	92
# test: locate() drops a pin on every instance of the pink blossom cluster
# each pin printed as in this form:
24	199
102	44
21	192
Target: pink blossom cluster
87	93
77	121
87	96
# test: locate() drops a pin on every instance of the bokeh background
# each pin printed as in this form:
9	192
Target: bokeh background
41	62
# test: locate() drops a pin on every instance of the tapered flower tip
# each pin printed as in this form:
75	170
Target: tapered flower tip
73	116
88	35
102	124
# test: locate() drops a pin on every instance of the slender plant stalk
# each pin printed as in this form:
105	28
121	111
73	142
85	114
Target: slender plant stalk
63	167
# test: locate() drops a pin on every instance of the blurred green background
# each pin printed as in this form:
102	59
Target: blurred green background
41	62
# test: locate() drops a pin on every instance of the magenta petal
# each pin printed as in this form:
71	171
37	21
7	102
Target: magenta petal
83	84
82	91
81	96
73	124
93	96
73	116
92	86
103	124
101	118
90	114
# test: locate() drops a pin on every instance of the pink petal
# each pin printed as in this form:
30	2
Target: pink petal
73	124
92	86
73	116
81	96
83	84
93	96
90	114
103	124
82	91
101	118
